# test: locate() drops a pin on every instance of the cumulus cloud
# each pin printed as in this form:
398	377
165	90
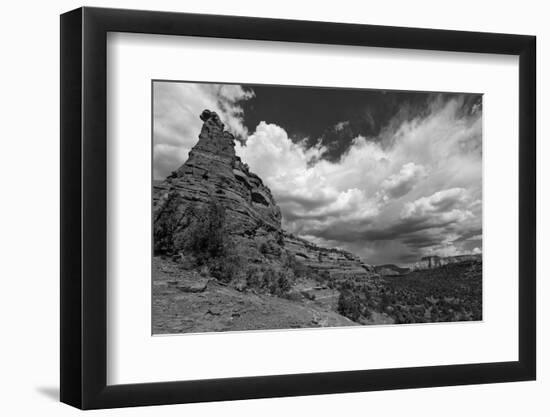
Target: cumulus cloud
310	194
440	203
399	184
413	190
176	125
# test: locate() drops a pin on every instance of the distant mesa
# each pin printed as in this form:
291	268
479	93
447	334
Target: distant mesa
431	262
425	263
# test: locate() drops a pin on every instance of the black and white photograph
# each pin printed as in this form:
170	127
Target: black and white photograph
283	207
269	209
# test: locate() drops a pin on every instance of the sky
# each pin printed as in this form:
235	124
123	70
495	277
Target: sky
390	176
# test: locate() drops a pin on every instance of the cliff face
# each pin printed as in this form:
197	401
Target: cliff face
390	270
338	264
252	217
214	171
431	262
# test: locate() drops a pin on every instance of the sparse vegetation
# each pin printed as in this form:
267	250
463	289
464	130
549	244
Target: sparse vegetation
254	277
267	278
449	293
167	225
264	248
205	236
269	247
200	234
226	268
196	230
282	284
349	305
295	266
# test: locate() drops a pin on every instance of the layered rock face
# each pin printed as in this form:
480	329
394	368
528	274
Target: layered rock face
390	270
253	219
431	262
338	264
214	171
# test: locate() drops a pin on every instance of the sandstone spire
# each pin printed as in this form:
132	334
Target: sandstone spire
214	172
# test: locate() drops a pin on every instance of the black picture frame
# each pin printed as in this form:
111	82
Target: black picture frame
84	207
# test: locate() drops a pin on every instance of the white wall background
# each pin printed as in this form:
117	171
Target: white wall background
29	225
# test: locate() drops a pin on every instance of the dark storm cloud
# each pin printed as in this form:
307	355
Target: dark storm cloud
303	202
470	235
408	231
413	235
334	117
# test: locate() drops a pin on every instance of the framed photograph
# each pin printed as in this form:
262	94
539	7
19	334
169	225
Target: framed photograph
257	208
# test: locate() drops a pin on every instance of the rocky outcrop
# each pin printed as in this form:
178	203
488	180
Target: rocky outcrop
253	220
431	262
390	270
335	263
212	170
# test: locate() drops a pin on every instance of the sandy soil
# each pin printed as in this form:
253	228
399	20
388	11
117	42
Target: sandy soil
186	302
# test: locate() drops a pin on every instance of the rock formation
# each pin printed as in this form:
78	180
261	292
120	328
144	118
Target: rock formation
338	264
214	171
431	262
390	270
253	220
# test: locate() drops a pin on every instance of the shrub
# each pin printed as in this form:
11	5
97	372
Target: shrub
349	305
294	266
167	224
227	268
283	284
264	247
268	279
254	277
308	295
269	246
324	277
205	236
200	233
